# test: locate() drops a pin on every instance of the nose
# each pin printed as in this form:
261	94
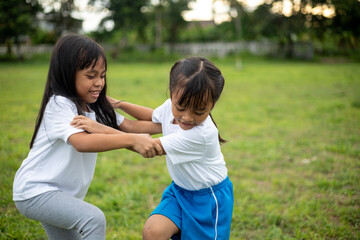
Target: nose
187	117
99	82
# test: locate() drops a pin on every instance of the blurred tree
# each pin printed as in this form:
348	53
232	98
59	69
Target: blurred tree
168	18
127	17
164	17
158	12
16	20
60	16
262	23
315	18
173	19
236	12
346	22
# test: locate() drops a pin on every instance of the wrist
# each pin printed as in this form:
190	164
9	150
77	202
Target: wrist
131	139
111	130
118	104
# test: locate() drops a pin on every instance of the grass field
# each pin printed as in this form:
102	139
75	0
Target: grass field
293	153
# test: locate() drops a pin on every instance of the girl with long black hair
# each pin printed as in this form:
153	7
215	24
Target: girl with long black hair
54	178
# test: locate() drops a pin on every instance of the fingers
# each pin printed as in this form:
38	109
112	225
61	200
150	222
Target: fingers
79	117
78	125
150	153
155	150
159	149
79	122
148	148
110	99
113	101
75	123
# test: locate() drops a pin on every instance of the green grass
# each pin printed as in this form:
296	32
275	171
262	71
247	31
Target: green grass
293	153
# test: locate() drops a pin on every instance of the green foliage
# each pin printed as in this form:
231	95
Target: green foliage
40	36
293	151
172	18
335	35
59	14
15	20
153	55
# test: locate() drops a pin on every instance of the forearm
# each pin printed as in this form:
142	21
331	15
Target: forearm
134	110
137	126
96	142
92	126
157	140
110	130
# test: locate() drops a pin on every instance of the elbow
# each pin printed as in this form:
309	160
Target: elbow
125	129
127	126
78	142
80	147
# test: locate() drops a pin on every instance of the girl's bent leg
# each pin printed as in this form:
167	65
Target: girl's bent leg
159	227
64	215
60	233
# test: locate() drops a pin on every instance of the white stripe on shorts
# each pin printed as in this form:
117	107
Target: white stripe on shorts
217	212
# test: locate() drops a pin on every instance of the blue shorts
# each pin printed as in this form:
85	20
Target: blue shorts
203	214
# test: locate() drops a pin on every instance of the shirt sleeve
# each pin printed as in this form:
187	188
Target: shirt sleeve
159	113
58	115
185	146
119	118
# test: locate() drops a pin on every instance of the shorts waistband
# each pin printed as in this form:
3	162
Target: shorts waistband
214	188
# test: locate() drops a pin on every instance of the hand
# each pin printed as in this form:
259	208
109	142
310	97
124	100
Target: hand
89	125
115	103
146	146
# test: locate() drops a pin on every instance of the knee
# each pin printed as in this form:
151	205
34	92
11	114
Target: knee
98	219
95	224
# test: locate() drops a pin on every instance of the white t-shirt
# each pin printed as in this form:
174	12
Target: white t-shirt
193	156
53	163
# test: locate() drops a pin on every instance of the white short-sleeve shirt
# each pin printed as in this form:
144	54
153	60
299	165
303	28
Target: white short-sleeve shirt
193	156
53	163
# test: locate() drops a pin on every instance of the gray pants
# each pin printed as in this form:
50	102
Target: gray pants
64	216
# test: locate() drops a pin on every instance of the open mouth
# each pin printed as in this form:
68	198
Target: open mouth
95	94
187	124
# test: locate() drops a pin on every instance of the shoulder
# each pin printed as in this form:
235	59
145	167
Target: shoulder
60	103
205	132
161	113
166	105
61	100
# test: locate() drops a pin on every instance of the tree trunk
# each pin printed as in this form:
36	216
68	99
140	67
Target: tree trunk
8	47
158	28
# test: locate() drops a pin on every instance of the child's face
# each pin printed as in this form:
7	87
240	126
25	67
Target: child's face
188	118
90	82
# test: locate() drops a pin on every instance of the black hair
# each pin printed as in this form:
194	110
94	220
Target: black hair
197	81
71	54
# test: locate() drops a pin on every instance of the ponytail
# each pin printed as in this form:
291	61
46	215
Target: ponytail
221	140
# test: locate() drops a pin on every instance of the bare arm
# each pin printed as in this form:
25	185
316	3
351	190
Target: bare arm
137	126
108	138
136	111
157	140
98	142
143	114
92	126
128	126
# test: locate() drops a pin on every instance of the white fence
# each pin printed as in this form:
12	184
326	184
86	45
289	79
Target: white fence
220	49
25	49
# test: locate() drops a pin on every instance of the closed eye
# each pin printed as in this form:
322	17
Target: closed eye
199	113
180	109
